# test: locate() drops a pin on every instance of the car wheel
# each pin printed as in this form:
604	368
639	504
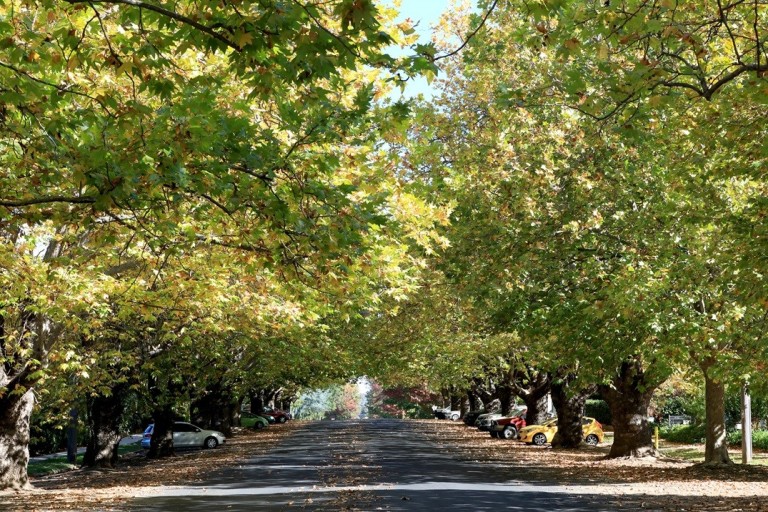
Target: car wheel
454	417
258	425
281	419
592	440
211	442
509	433
539	439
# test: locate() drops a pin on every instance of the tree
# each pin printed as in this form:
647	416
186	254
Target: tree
138	136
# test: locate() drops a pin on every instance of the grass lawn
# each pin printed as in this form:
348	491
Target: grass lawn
59	464
695	453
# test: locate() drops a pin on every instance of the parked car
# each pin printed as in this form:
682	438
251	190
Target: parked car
187	435
542	434
260	422
471	417
508	427
483	422
445	413
270	419
280	416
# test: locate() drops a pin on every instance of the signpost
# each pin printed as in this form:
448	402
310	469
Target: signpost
746	425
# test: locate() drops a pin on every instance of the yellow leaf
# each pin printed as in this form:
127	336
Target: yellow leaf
602	51
243	39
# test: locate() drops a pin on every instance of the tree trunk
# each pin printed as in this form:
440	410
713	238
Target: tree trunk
15	412
105	417
533	387
569	404
257	402
455	401
235	415
214	409
481	392
536	412
628	399
161	444
475	403
716	449
506	398
271	396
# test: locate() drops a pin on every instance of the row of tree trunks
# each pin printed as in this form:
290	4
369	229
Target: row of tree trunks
216	408
261	398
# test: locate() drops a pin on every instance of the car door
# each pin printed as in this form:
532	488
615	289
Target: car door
586	424
184	434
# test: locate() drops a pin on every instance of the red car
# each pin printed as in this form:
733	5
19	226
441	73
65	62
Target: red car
509	426
280	416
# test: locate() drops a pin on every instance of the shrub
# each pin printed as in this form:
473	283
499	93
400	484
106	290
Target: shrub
684	433
759	439
599	410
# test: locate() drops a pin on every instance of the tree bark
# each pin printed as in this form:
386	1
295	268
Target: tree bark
257	401
716	449
475	403
506	397
15	412
215	409
629	398
569	403
536	412
161	444
481	392
533	387
105	418
455	401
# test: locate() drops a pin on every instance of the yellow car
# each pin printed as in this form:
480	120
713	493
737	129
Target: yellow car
542	434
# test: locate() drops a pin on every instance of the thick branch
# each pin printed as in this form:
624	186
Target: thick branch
46	200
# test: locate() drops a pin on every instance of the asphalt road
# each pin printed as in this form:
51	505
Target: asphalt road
367	465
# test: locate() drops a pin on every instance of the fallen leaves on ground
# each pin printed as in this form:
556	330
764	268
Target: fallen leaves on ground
106	489
638	483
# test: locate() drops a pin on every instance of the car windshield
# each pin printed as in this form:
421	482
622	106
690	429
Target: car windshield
519	413
551	423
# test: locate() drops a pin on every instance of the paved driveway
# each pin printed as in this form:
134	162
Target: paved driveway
366	465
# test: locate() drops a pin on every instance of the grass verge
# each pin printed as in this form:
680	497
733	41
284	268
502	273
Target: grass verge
59	464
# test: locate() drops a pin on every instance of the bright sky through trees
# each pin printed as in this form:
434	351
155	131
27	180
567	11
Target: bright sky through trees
424	14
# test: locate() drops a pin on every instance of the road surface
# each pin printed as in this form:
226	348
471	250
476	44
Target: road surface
367	465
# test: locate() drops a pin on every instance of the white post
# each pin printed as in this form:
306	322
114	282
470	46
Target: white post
746	425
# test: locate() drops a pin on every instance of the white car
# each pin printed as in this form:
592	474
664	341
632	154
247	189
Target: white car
483	422
187	435
445	413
